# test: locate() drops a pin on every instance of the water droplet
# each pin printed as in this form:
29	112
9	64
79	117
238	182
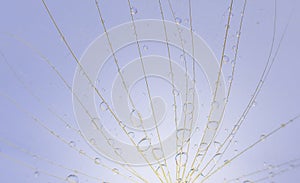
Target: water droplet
160	167
186	21
183	135
115	170
97	161
131	134
178	20
188	107
72	179
215	104
247	181
157	153
92	141
225	59
145	47
182	57
118	151
133	11
229	78
111	142
181	159
103	106
262	137
213	125
175	92
36	174
217	157
217	145
233	48
203	146
72	144
134	118
144	144
238	34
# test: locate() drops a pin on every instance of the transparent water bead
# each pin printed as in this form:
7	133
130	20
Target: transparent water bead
36	174
97	161
72	179
103	106
133	11
157	153
181	159
72	144
178	20
226	59
144	144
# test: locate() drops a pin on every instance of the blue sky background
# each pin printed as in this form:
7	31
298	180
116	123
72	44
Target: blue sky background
27	21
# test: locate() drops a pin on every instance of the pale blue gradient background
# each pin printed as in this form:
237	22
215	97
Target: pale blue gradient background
278	101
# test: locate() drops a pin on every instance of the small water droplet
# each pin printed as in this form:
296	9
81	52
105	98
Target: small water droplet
72	179
181	159
134	118
188	107
217	157
144	144
175	92
262	137
254	103
131	134
229	78
217	145
115	170
233	48
213	125
238	34
145	47
36	174
182	57
178	20
103	106
133	11
226	59
157	153
97	161
203	146
92	141
72	144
